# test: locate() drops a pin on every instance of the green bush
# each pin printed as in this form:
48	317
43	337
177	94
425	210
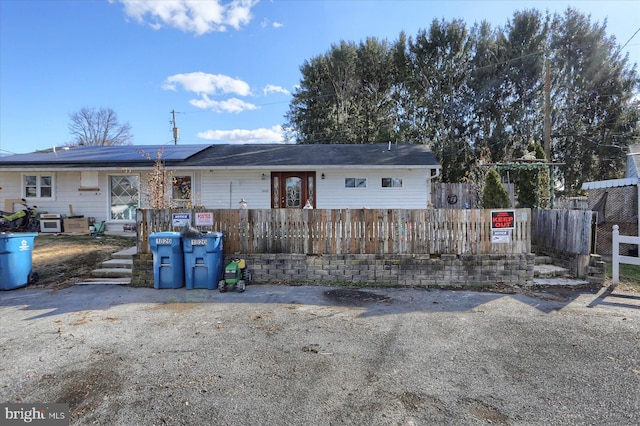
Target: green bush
495	195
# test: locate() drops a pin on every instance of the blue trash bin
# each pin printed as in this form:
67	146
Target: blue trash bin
203	260
168	260
16	260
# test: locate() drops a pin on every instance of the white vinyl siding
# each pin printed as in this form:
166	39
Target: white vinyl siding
223	189
414	193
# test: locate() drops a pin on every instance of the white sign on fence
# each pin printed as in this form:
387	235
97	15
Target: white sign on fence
500	237
180	219
204	219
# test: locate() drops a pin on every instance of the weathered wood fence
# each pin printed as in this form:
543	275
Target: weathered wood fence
564	230
461	195
346	231
569	236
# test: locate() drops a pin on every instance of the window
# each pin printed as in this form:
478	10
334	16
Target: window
37	186
355	183
181	192
123	196
392	182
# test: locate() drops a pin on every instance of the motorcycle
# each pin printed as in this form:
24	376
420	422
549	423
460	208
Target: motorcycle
24	220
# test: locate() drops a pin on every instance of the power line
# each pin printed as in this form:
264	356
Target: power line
634	34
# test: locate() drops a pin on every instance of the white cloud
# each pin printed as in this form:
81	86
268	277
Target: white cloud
265	23
239	12
234	105
271	88
238	136
191	16
210	84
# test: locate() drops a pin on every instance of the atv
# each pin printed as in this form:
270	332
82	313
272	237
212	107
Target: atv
235	274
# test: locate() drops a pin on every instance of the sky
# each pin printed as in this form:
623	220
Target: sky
226	68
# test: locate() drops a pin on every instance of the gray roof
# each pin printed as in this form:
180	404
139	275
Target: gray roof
244	155
633	161
611	183
314	155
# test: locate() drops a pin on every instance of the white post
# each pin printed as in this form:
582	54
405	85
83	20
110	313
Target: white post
616	254
638	211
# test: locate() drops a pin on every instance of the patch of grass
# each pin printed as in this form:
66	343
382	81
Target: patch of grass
629	276
62	259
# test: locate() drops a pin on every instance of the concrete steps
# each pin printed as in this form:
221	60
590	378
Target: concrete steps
548	275
116	270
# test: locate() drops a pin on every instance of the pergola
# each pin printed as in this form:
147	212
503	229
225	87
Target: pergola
530	165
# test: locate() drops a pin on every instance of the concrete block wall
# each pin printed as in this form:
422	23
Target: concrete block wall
445	271
142	270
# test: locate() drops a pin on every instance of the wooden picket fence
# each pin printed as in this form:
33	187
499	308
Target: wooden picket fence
347	231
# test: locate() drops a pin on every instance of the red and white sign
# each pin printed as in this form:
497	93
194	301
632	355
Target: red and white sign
204	219
503	219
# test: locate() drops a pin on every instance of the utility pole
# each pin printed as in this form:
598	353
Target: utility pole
176	131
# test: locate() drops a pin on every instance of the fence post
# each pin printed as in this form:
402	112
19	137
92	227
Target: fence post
142	230
616	254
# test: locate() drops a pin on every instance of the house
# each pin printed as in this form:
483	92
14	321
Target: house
108	182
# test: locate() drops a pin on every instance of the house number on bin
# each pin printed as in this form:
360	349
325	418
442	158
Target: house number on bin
198	242
163	241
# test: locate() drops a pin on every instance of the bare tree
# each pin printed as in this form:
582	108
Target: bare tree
91	126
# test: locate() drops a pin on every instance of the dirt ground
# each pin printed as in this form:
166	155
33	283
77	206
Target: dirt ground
63	259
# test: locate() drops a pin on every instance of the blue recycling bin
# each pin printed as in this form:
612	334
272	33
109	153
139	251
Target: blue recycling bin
203	260
168	260
16	260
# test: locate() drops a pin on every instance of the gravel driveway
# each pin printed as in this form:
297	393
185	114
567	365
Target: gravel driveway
289	355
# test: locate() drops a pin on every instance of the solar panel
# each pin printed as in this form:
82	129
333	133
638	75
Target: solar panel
108	154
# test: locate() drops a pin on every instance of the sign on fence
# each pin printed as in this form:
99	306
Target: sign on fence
180	219
503	219
500	237
204	218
